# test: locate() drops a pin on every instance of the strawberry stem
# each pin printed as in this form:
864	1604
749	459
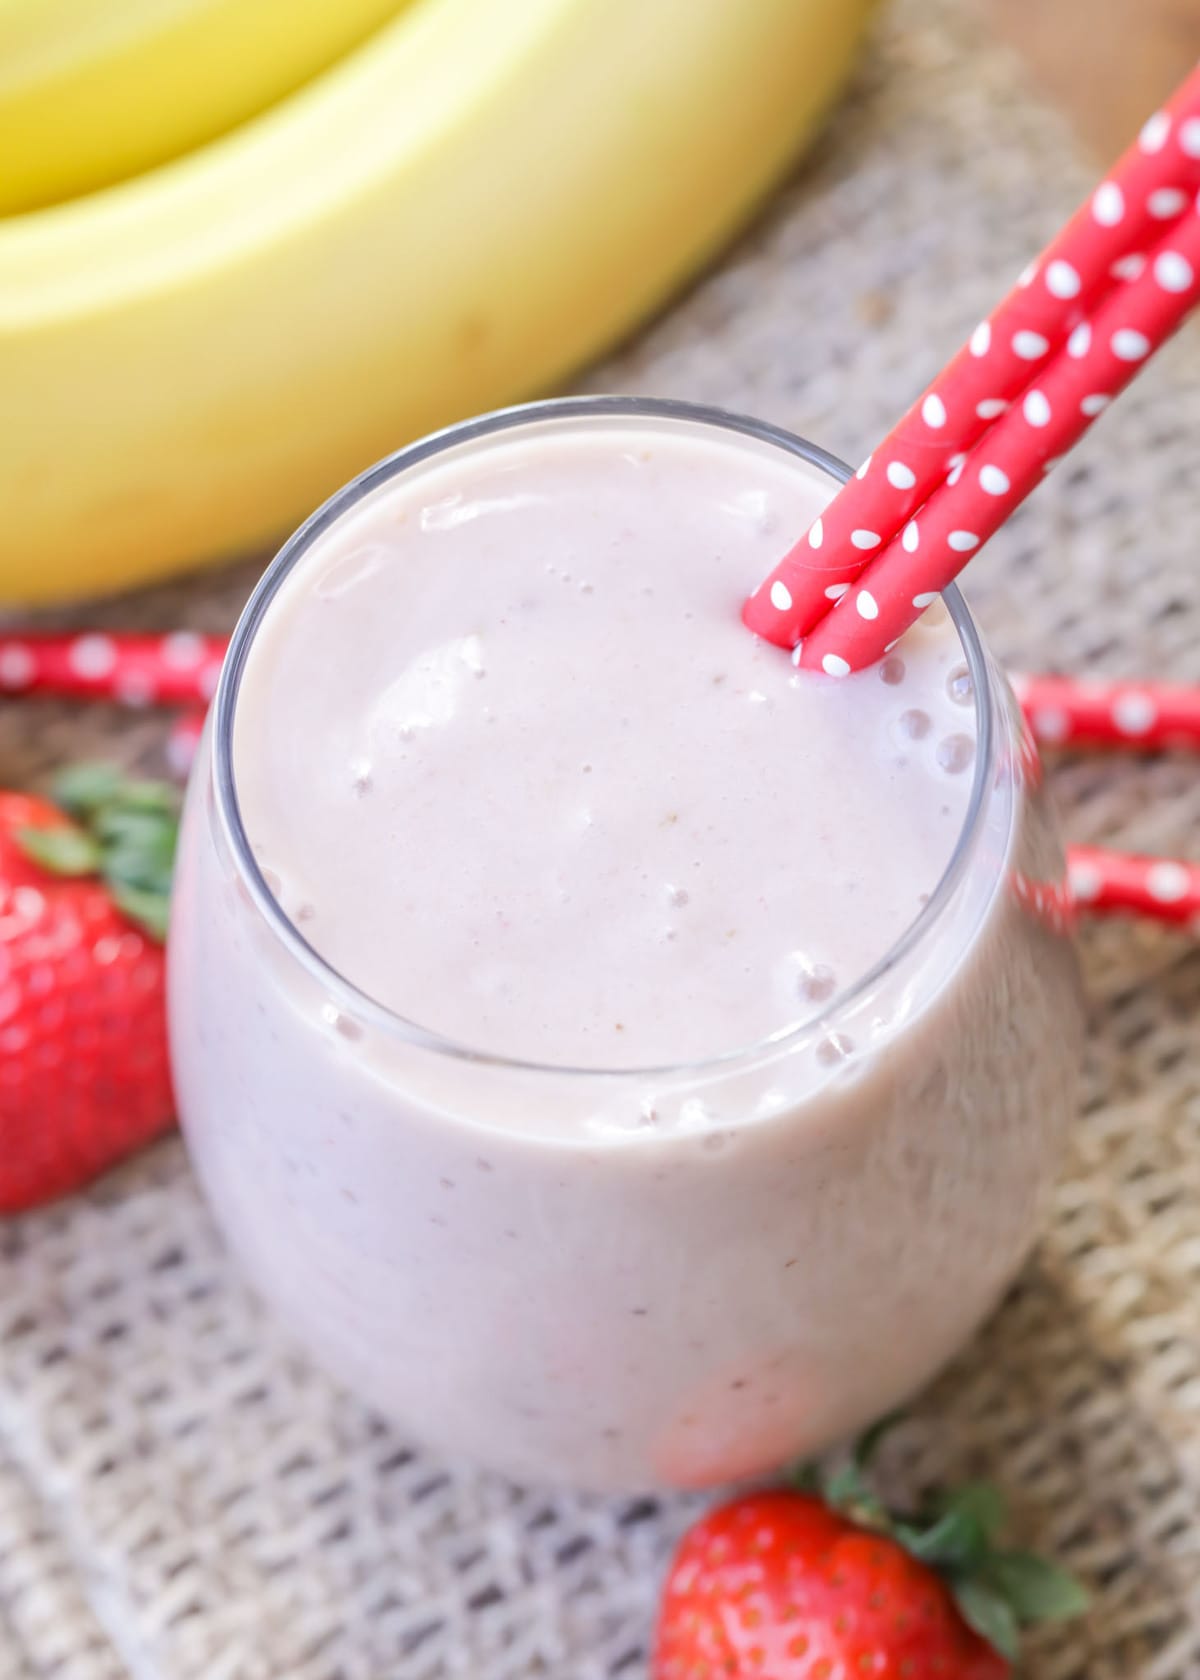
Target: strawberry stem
997	1591
123	831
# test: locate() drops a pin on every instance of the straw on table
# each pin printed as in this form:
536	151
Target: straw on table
135	670
1072	711
1164	889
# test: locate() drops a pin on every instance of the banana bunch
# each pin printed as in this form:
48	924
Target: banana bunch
93	91
450	216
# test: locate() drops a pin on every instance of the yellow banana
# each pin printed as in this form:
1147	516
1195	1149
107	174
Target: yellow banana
93	91
451	218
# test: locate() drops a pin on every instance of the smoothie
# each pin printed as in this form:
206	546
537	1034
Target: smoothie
618	1035
508	755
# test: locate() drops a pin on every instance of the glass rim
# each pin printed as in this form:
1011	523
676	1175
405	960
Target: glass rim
361	1004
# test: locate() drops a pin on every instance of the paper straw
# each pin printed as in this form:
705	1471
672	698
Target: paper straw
1070	711
1101	356
1106	244
134	670
1164	889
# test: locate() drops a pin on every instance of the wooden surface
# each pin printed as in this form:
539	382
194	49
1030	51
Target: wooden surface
1107	62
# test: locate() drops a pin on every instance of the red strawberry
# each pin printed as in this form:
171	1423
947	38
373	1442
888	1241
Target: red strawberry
83	1054
786	1586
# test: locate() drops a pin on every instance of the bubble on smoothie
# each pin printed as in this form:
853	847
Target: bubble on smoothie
362	778
804	977
624	1121
341	1023
913	725
892	671
959	686
955	753
817	984
676	897
305	911
835	1050
697	1116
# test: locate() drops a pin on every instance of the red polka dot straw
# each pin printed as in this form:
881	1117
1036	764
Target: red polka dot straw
1165	889
1073	331
1101	356
134	670
1070	711
1151	716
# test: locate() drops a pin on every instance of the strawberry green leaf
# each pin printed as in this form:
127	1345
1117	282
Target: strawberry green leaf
147	796
988	1612
148	910
138	846
115	822
845	1488
962	1534
86	787
1036	1590
981	1501
60	851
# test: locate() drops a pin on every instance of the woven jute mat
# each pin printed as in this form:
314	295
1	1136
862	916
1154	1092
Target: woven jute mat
183	1497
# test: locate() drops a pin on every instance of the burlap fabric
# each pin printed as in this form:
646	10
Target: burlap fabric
182	1497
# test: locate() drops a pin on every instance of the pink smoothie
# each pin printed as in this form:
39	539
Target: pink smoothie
511	766
593	821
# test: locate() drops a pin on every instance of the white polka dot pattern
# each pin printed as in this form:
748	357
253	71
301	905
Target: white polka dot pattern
134	670
1108	204
1126	883
1036	409
1108	291
18	667
1146	715
92	657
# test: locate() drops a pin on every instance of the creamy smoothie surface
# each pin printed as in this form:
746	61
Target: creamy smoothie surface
513	765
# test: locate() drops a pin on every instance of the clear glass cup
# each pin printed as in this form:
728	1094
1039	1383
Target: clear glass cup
808	1230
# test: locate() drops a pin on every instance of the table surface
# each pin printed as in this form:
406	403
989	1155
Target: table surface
1107	63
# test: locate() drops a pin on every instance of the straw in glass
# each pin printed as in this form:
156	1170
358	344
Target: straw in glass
1107	290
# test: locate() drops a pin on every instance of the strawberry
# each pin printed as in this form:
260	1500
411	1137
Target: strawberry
790	1585
83	1053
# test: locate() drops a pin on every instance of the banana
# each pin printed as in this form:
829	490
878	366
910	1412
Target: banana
93	91
449	219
